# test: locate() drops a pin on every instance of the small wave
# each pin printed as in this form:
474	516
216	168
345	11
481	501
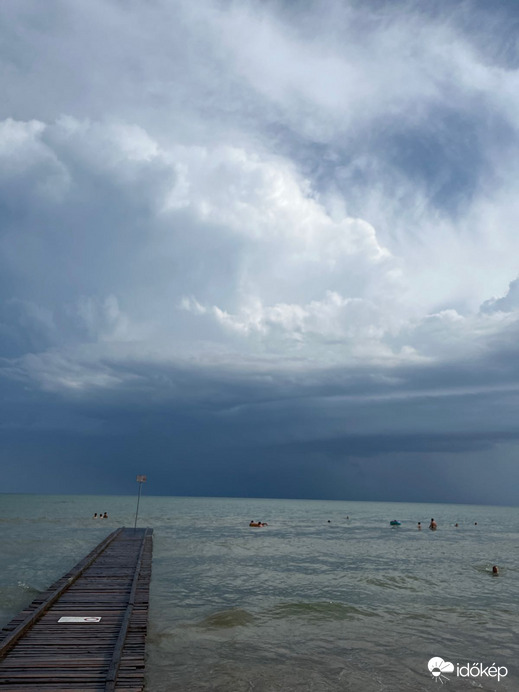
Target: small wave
320	610
392	582
235	617
27	587
17	596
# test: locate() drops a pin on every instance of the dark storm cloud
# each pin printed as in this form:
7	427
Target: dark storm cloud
259	248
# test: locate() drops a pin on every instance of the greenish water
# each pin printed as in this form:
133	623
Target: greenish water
315	601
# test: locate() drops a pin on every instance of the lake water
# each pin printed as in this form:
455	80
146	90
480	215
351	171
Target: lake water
315	601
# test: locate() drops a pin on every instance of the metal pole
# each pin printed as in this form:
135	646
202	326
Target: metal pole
138	500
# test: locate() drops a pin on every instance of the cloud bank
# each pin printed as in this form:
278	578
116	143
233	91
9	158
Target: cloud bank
248	234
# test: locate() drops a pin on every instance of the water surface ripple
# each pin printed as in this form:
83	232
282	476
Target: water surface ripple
329	596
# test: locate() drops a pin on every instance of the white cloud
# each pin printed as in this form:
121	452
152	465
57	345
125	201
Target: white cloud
235	186
509	303
304	280
24	156
104	320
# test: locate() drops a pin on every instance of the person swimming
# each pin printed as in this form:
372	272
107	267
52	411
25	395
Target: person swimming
256	524
95	515
495	570
433	525
419	526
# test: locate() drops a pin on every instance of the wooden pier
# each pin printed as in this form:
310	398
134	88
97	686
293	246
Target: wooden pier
88	630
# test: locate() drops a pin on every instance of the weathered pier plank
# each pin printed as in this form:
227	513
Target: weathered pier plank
37	652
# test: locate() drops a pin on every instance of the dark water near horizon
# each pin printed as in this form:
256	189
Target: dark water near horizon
302	604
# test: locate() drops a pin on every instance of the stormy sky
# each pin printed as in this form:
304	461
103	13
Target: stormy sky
260	248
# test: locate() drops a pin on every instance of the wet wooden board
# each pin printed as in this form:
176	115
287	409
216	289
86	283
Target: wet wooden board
37	652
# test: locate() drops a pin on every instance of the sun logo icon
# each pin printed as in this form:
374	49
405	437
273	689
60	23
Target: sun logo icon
437	667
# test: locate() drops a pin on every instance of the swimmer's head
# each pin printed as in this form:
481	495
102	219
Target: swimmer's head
495	569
